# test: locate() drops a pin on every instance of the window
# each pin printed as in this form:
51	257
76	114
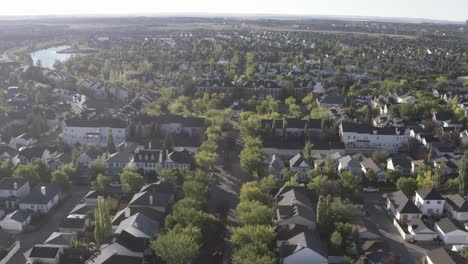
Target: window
439	202
428	202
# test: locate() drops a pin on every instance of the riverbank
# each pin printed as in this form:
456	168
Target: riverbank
81	51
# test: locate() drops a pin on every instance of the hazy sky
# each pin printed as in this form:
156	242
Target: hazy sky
433	9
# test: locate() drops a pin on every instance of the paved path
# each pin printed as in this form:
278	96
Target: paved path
28	240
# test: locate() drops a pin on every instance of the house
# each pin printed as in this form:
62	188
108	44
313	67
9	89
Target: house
116	162
29	154
216	85
429	201
158	201
139	226
420	231
329	101
91	198
464	138
16	221
350	164
402	164
73	224
369	164
42	198
303	248
147	160
116	253
23	140
93	132
366	139
61	240
451	232
456	207
444	255
178	159
151	213
87	157
298	164
12	190
82	209
293	207
293	127
402	208
43	254
171	124
275	166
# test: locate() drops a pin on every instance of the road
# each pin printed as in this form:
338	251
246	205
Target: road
407	252
28	240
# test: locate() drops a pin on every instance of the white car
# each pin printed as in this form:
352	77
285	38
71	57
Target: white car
370	189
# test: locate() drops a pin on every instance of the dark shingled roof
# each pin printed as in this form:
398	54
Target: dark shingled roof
293	123
457	202
8	183
105	122
445	256
429	194
366	129
402	204
43	252
73	222
36	196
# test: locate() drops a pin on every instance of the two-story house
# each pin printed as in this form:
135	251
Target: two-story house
12	191
429	201
298	164
402	208
456	207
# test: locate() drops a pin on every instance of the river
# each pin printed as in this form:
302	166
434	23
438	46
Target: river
47	57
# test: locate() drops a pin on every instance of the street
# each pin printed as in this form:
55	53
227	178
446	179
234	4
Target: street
28	240
378	217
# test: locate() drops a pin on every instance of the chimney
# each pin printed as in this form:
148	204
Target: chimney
151	200
15	185
43	190
127	213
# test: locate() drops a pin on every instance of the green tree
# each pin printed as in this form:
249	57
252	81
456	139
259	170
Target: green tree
393	176
168	175
206	159
250	191
61	178
268	183
253	254
251	156
101	182
321	211
27	172
103	222
110	144
186	216
254	213
131	181
307	151
97	166
168	143
463	174
178	246
256	234
407	185
336	241
350	184
370	177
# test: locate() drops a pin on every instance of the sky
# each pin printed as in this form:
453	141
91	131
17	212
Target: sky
453	10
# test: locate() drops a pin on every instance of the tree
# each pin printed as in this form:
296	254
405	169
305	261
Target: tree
42	169
206	159
407	185
336	241
253	254
380	156
110	144
250	191
438	180
185	216
393	175
6	168
293	181
251	156
268	183
256	234
370	177
307	151
321	211
178	246
425	179
254	213
59	177
463	174
103	222
97	166
69	171
27	172
349	183
131	181
168	175
101	182
168	143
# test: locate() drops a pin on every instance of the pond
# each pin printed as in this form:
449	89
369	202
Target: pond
50	55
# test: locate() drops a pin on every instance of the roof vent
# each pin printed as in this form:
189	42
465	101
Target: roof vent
15	186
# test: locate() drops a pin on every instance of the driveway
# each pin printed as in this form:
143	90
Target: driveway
28	240
407	252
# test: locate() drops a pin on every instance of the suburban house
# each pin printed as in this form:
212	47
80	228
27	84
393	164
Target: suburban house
61	240
147	160
367	139
350	164
23	140
293	207
93	132
302	248
401	164
116	253
87	157
293	127
444	255
275	166
429	201
456	207
369	164
12	191
179	158
44	254
451	232
73	224
298	164
16	221
329	101
42	198
262	88
420	231
402	208
29	154
116	162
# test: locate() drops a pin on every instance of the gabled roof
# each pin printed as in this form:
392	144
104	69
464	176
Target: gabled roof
73	222
151	213
445	256
348	161
43	252
429	194
447	225
457	202
333	99
82	209
138	225
19	216
151	199
402	204
117	254
161	187
292	123
297	160
180	156
119	157
59	238
8	183
301	241
37	197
